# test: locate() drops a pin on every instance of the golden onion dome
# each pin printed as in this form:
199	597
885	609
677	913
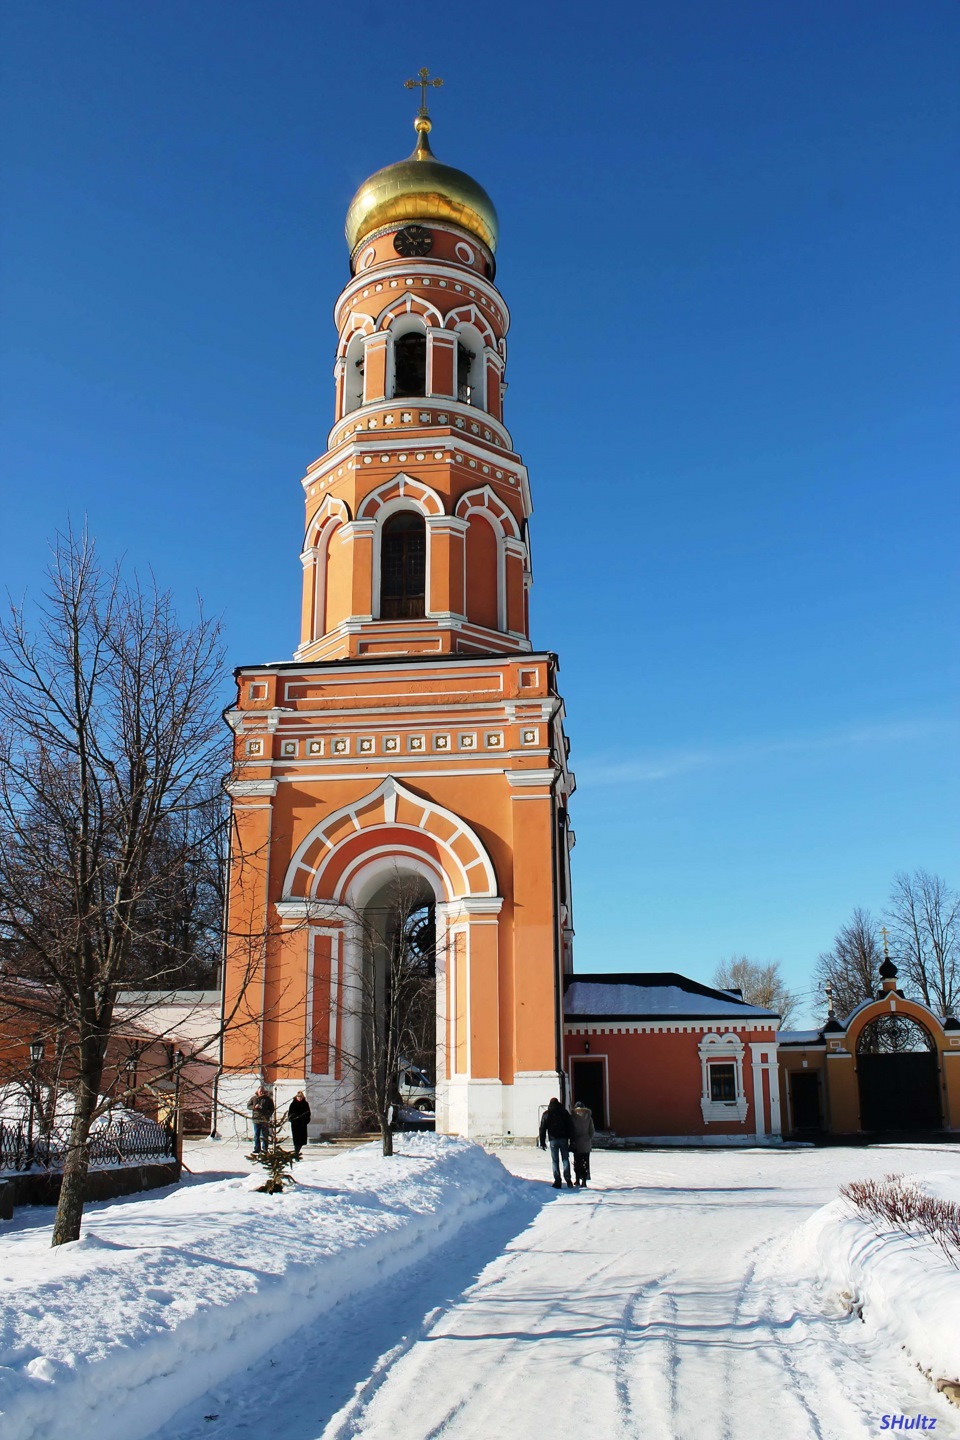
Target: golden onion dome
421	189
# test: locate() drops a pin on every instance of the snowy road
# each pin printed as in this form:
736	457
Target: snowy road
645	1306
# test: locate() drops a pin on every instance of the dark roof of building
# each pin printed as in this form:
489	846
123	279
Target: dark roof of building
652	995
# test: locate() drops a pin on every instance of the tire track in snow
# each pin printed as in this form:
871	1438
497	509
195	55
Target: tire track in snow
648	1320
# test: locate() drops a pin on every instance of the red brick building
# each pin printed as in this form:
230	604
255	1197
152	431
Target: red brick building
656	1054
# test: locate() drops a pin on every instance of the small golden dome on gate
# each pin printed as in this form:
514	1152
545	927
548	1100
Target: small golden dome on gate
421	189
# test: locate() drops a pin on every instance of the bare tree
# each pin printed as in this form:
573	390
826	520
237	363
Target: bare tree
759	984
110	734
391	999
924	916
851	967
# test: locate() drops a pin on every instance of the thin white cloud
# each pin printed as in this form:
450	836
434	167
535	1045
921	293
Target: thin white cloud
654	767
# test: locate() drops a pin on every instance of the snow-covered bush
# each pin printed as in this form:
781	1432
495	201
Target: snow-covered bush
906	1207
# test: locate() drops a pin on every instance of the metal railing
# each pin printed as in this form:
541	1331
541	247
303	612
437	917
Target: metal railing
115	1141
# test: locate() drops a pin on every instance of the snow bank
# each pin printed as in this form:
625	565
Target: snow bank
905	1289
165	1296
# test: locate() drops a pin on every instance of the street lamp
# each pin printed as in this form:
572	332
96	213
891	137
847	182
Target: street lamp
36	1057
178	1059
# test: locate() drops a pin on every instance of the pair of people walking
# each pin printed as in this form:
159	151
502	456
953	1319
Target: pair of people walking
262	1111
567	1131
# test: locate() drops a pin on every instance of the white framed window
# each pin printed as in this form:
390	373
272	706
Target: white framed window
722	1096
256	692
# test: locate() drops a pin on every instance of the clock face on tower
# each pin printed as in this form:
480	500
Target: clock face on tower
413	240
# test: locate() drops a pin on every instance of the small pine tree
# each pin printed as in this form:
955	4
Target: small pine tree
276	1160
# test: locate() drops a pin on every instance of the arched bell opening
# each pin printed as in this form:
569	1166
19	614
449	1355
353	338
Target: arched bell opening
409	358
353	375
898	1075
471	367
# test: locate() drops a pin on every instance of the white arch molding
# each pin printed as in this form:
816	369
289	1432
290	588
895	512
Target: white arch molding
483	501
317	856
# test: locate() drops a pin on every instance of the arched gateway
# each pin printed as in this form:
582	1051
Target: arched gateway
892	1065
412	755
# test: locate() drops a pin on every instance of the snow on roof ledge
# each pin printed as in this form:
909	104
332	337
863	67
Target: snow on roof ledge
649	995
799	1037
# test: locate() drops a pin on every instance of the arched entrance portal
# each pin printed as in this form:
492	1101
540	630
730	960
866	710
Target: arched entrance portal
395	987
898	1075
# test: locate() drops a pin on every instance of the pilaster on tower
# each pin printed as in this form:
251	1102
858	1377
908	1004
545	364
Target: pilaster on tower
416	536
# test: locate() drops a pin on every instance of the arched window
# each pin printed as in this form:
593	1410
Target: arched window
353	375
465	363
403	567
894	1035
410	364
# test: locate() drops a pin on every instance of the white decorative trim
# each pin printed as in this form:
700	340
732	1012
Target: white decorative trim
727	1049
239	788
313	910
660	1027
519	778
388	791
470	905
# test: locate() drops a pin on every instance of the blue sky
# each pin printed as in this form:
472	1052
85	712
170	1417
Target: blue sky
728	244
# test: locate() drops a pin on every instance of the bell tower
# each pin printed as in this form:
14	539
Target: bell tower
416	734
416	526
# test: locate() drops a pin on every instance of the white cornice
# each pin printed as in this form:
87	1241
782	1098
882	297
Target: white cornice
415	270
240	788
449	910
522	778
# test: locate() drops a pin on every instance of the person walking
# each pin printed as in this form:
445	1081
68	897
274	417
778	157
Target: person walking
261	1109
555	1126
581	1123
299	1117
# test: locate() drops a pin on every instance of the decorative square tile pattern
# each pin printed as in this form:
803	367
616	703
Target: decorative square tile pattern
494	740
529	737
254	747
289	748
315	747
415	742
391	744
365	745
468	742
341	747
441	742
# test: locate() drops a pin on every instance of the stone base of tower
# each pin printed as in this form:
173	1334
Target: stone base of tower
489	1109
475	1109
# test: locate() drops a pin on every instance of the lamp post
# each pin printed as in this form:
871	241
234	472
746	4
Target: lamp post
130	1082
178	1059
36	1057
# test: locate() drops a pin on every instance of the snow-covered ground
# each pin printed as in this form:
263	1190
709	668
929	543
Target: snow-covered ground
449	1292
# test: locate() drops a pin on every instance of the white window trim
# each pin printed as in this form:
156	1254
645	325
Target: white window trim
726	1049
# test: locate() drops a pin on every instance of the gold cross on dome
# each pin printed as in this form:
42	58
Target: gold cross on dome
886	948
424	82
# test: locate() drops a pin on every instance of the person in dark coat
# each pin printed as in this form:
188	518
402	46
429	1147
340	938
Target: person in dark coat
261	1109
299	1117
555	1127
581	1122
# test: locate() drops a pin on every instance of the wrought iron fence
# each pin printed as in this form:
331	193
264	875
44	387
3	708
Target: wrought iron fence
116	1141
